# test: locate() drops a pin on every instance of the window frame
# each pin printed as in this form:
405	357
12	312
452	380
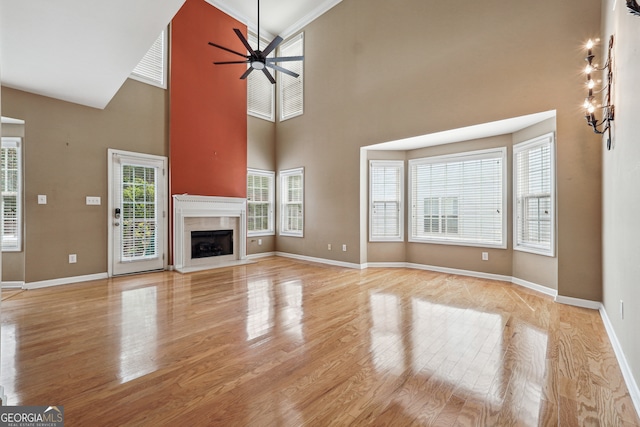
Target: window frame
527	146
141	77
283	78
399	166
284	174
6	143
258	78
498	153
270	203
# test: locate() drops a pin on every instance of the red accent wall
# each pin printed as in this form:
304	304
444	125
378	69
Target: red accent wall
208	104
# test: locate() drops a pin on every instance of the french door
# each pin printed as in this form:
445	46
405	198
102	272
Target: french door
137	212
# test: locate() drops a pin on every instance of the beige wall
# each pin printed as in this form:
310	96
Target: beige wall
415	67
621	194
261	154
65	158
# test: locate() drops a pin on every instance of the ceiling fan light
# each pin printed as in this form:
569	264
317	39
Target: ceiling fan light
257	65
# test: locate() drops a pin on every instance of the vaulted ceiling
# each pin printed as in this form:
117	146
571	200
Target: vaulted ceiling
82	51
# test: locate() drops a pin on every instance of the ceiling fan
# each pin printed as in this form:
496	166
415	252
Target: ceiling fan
257	59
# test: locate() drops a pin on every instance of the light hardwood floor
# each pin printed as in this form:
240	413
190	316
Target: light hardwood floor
282	342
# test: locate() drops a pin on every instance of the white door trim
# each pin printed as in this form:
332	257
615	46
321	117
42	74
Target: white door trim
165	203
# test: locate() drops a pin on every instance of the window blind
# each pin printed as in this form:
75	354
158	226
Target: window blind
152	68
292	88
292	200
260	202
386	178
11	187
260	91
459	199
533	164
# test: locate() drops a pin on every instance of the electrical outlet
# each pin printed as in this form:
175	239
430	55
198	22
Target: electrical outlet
73	258
259	242
621	309
344	248
485	256
42	199
93	200
329	247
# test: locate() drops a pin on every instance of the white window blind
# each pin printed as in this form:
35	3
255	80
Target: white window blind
260	200
11	188
292	202
534	196
292	88
459	199
152	68
386	213
260	91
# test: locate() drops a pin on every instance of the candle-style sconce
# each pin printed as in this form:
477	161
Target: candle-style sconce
590	103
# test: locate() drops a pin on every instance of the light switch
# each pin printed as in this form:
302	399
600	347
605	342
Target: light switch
93	200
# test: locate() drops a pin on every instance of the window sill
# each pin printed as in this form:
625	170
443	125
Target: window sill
260	233
291	234
534	250
459	243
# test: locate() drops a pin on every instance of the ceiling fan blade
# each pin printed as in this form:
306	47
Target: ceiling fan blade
228	50
274	43
285	59
283	70
231	62
269	76
244	41
246	73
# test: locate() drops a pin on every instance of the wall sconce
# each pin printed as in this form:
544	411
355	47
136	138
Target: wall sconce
599	127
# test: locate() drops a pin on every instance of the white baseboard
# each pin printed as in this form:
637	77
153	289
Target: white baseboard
516	281
65	281
469	273
534	286
385	265
321	260
261	255
13	285
632	385
578	302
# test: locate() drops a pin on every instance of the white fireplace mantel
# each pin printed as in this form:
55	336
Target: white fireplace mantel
188	206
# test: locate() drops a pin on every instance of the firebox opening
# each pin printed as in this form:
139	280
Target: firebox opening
211	243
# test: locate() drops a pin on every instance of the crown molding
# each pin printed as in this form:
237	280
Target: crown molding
309	17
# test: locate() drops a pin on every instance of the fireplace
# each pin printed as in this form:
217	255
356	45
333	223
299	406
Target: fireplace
205	244
209	232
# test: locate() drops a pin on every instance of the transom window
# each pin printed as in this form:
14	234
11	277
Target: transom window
534	197
152	68
260	91
291	89
260	201
459	199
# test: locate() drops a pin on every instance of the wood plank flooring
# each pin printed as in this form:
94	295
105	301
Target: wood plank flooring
288	343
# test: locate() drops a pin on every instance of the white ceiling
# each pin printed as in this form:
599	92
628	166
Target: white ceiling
277	17
78	50
82	51
484	130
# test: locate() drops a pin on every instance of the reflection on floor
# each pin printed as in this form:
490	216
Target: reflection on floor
283	342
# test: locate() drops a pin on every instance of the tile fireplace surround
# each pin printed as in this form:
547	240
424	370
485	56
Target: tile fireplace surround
200	213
